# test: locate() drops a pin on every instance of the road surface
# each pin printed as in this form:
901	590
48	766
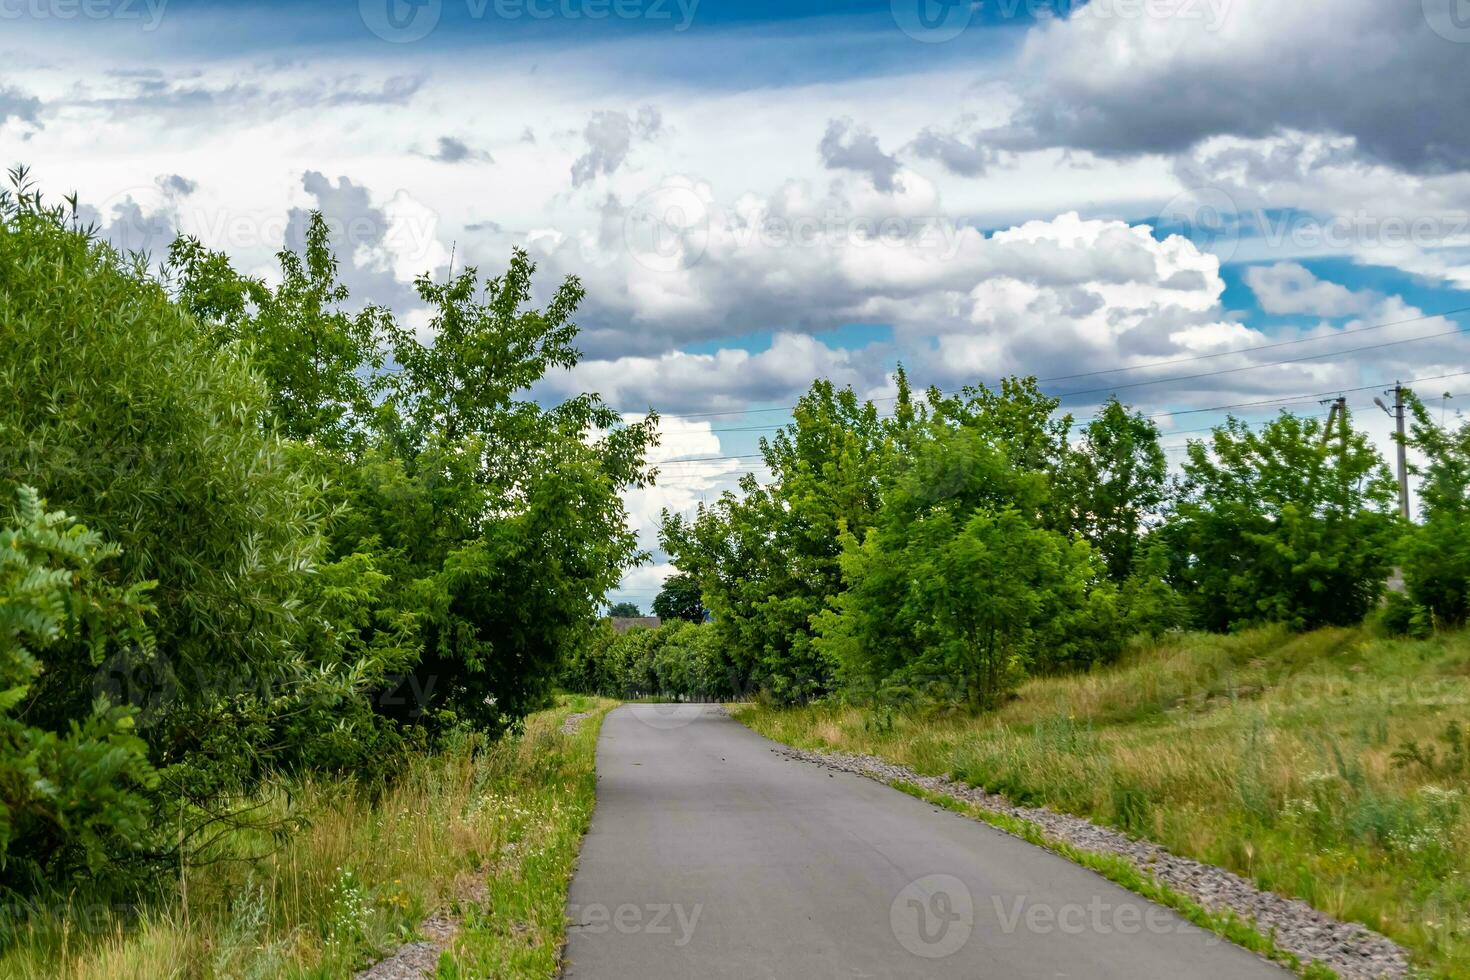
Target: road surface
710	856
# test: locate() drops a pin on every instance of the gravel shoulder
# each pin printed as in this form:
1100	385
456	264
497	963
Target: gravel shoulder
1352	950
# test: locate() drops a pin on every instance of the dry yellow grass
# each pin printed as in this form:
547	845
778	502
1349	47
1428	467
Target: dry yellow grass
499	820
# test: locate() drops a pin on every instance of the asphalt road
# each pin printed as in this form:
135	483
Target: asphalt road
710	856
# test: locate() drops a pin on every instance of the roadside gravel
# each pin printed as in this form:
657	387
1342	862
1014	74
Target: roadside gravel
570	725
1355	952
415	961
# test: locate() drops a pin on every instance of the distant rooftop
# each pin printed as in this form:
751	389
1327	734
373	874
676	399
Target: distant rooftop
624	623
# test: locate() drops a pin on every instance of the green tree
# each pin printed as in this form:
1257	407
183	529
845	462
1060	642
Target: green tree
624	610
123	412
1291	524
679	598
959	590
321	365
767	561
481	530
1436	552
1115	482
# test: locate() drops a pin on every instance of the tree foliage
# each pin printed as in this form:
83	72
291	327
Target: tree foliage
360	538
1290	524
73	802
679	598
768	560
1436	552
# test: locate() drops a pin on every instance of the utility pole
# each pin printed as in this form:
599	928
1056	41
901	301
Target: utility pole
1337	411
1398	411
1403	457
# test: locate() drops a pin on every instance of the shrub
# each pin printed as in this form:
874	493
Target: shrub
119	412
74	800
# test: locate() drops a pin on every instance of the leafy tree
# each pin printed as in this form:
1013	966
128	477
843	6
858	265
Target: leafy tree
1290	524
679	598
442	477
1022	421
625	610
678	659
320	364
959	590
1436	553
1115	482
768	561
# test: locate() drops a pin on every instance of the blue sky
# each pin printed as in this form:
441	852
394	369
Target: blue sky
756	194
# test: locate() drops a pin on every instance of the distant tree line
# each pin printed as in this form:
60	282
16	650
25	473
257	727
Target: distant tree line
954	544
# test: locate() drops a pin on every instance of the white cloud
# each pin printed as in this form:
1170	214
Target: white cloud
1288	287
1176	73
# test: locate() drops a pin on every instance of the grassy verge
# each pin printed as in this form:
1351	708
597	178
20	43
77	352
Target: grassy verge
487	830
1331	766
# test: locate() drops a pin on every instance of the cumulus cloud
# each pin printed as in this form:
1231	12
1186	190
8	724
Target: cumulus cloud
18	105
451	149
383	246
1289	287
1160	83
174	185
609	137
132	223
849	146
965	154
1297	195
726	380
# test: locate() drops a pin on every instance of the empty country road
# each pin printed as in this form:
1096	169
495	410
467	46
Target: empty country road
710	856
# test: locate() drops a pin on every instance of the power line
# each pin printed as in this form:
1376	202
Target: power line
1181	377
1140	367
1305	395
1281	401
1257	367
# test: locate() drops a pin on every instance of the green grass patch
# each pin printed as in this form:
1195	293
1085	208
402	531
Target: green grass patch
488	830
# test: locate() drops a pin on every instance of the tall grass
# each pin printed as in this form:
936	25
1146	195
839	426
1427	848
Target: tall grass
1321	765
486	830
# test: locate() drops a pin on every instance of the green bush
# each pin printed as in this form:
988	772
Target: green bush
1436	553
74	799
121	413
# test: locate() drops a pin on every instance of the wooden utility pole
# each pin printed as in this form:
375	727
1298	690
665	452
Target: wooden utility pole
1403	453
1338	411
1398	412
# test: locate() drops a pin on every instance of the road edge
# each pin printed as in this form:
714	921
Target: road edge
1117	868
